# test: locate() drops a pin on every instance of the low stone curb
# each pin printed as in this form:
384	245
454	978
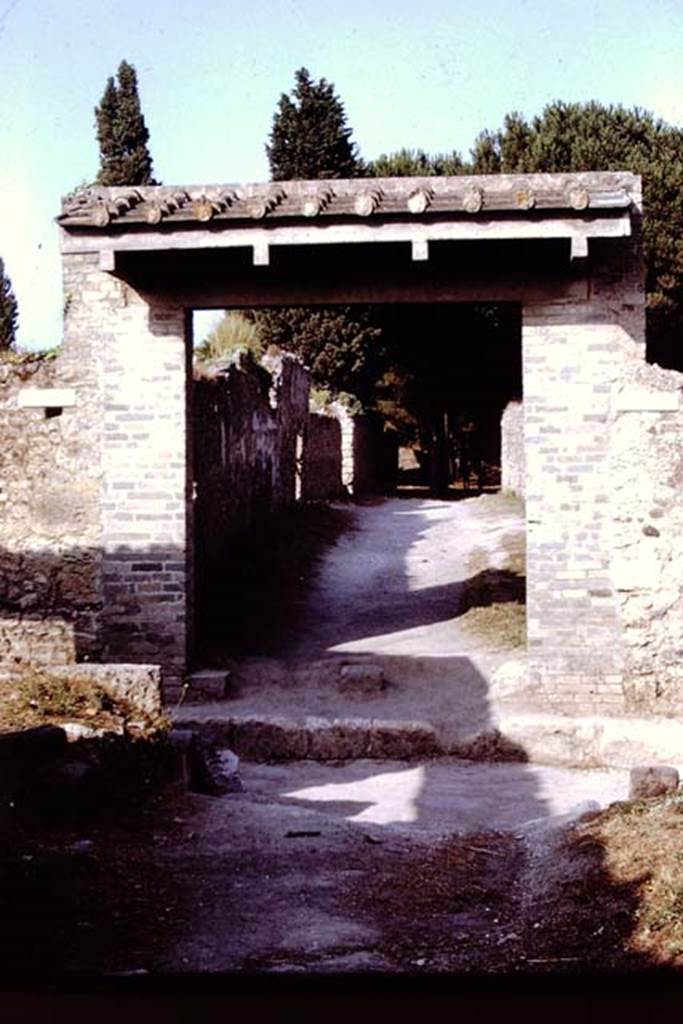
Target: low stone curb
540	739
320	739
595	742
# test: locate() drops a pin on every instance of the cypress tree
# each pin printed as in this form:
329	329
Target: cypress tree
310	138
9	312
122	133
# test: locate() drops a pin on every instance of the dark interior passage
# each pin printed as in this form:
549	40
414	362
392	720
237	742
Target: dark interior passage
431	380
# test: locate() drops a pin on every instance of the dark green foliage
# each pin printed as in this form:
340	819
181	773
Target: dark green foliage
591	137
341	345
9	312
310	138
413	163
122	133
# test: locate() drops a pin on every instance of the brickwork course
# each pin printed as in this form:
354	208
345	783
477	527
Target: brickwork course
601	429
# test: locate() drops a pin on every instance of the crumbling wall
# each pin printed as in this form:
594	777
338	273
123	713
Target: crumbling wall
645	530
322	463
248	422
512	462
49	522
290	398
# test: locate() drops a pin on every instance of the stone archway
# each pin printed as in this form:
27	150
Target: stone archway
565	247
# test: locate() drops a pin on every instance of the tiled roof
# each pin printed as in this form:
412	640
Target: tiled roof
356	200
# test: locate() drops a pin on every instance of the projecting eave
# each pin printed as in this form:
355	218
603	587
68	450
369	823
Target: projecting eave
417	211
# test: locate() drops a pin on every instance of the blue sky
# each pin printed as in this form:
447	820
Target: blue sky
210	75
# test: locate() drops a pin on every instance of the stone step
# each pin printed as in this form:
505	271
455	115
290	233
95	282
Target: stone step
208	684
276	738
538	738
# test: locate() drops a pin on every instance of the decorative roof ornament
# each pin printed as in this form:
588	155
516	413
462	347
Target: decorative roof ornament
154	213
367	202
100	215
315	202
203	209
156	210
259	206
473	200
419	200
525	199
578	198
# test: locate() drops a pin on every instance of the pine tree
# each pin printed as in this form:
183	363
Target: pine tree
9	312
122	133
414	163
569	137
310	138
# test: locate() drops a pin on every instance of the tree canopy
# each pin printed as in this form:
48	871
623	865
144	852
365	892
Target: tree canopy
122	134
592	137
9	312
573	137
310	138
413	163
341	345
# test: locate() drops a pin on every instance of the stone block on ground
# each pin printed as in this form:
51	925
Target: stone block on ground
648	782
139	685
213	770
209	684
361	680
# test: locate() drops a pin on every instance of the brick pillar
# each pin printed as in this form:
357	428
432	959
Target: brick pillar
575	637
134	358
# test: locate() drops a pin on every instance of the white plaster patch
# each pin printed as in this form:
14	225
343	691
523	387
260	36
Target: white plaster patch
46	398
637	399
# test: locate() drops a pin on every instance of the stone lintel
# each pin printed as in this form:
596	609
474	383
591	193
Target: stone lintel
340	233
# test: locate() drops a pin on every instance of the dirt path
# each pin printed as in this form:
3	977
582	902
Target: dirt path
380	867
426	590
397	583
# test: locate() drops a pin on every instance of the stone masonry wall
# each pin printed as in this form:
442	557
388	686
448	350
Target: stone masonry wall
573	355
512	462
247	426
644	533
322	465
49	523
129	356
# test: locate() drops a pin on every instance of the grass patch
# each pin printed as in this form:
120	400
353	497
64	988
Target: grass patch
499	625
494	601
642	851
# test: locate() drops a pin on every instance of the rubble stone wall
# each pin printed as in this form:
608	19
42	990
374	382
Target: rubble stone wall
644	533
49	520
248	422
